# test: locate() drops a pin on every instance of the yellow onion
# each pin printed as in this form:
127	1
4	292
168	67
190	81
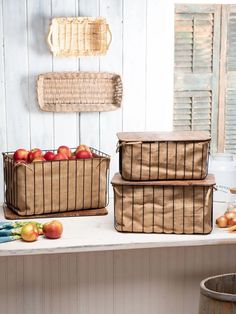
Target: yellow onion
230	214
222	222
232	221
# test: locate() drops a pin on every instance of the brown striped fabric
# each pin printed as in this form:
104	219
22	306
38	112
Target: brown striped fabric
181	207
172	159
50	187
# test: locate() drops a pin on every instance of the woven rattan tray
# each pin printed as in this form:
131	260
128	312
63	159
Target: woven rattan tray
79	91
79	36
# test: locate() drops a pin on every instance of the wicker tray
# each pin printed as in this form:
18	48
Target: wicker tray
79	91
79	36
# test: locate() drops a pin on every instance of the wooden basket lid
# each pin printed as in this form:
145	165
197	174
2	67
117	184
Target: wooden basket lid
208	181
174	136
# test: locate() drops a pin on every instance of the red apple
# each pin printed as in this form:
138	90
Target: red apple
53	229
83	154
82	147
20	154
49	156
34	153
29	232
72	157
60	156
39	158
64	150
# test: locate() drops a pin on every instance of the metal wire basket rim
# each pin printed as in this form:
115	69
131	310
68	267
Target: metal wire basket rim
100	155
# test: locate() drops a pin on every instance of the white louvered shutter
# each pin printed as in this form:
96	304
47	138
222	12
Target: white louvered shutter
229	79
197	49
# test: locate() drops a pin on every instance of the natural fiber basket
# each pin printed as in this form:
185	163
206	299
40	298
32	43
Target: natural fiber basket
79	36
79	91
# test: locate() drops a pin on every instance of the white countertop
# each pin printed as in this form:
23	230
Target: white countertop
96	233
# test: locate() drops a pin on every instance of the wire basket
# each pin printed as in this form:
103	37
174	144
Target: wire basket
79	91
46	187
163	155
180	207
79	36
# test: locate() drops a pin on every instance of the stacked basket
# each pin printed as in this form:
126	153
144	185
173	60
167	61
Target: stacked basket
163	185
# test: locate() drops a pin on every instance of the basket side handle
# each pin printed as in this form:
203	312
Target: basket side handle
109	37
49	38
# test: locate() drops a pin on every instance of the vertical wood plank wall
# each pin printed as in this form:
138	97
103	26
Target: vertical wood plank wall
152	281
139	52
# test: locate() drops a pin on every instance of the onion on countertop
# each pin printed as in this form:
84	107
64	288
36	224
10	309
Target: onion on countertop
232	221
230	214
222	222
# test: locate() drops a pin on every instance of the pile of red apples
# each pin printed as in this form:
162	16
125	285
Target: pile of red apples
63	153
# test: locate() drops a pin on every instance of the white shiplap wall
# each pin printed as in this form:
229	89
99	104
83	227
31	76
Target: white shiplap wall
153	281
138	52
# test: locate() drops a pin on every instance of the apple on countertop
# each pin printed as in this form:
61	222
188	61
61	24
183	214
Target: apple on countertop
29	232
53	229
32	230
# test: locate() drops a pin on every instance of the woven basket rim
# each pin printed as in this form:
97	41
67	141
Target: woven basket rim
82	18
102	73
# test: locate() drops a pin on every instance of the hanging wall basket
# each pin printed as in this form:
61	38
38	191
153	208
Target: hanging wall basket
79	36
79	91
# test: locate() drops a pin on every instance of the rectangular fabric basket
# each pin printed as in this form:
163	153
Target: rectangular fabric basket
79	91
164	155
181	207
79	36
46	187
